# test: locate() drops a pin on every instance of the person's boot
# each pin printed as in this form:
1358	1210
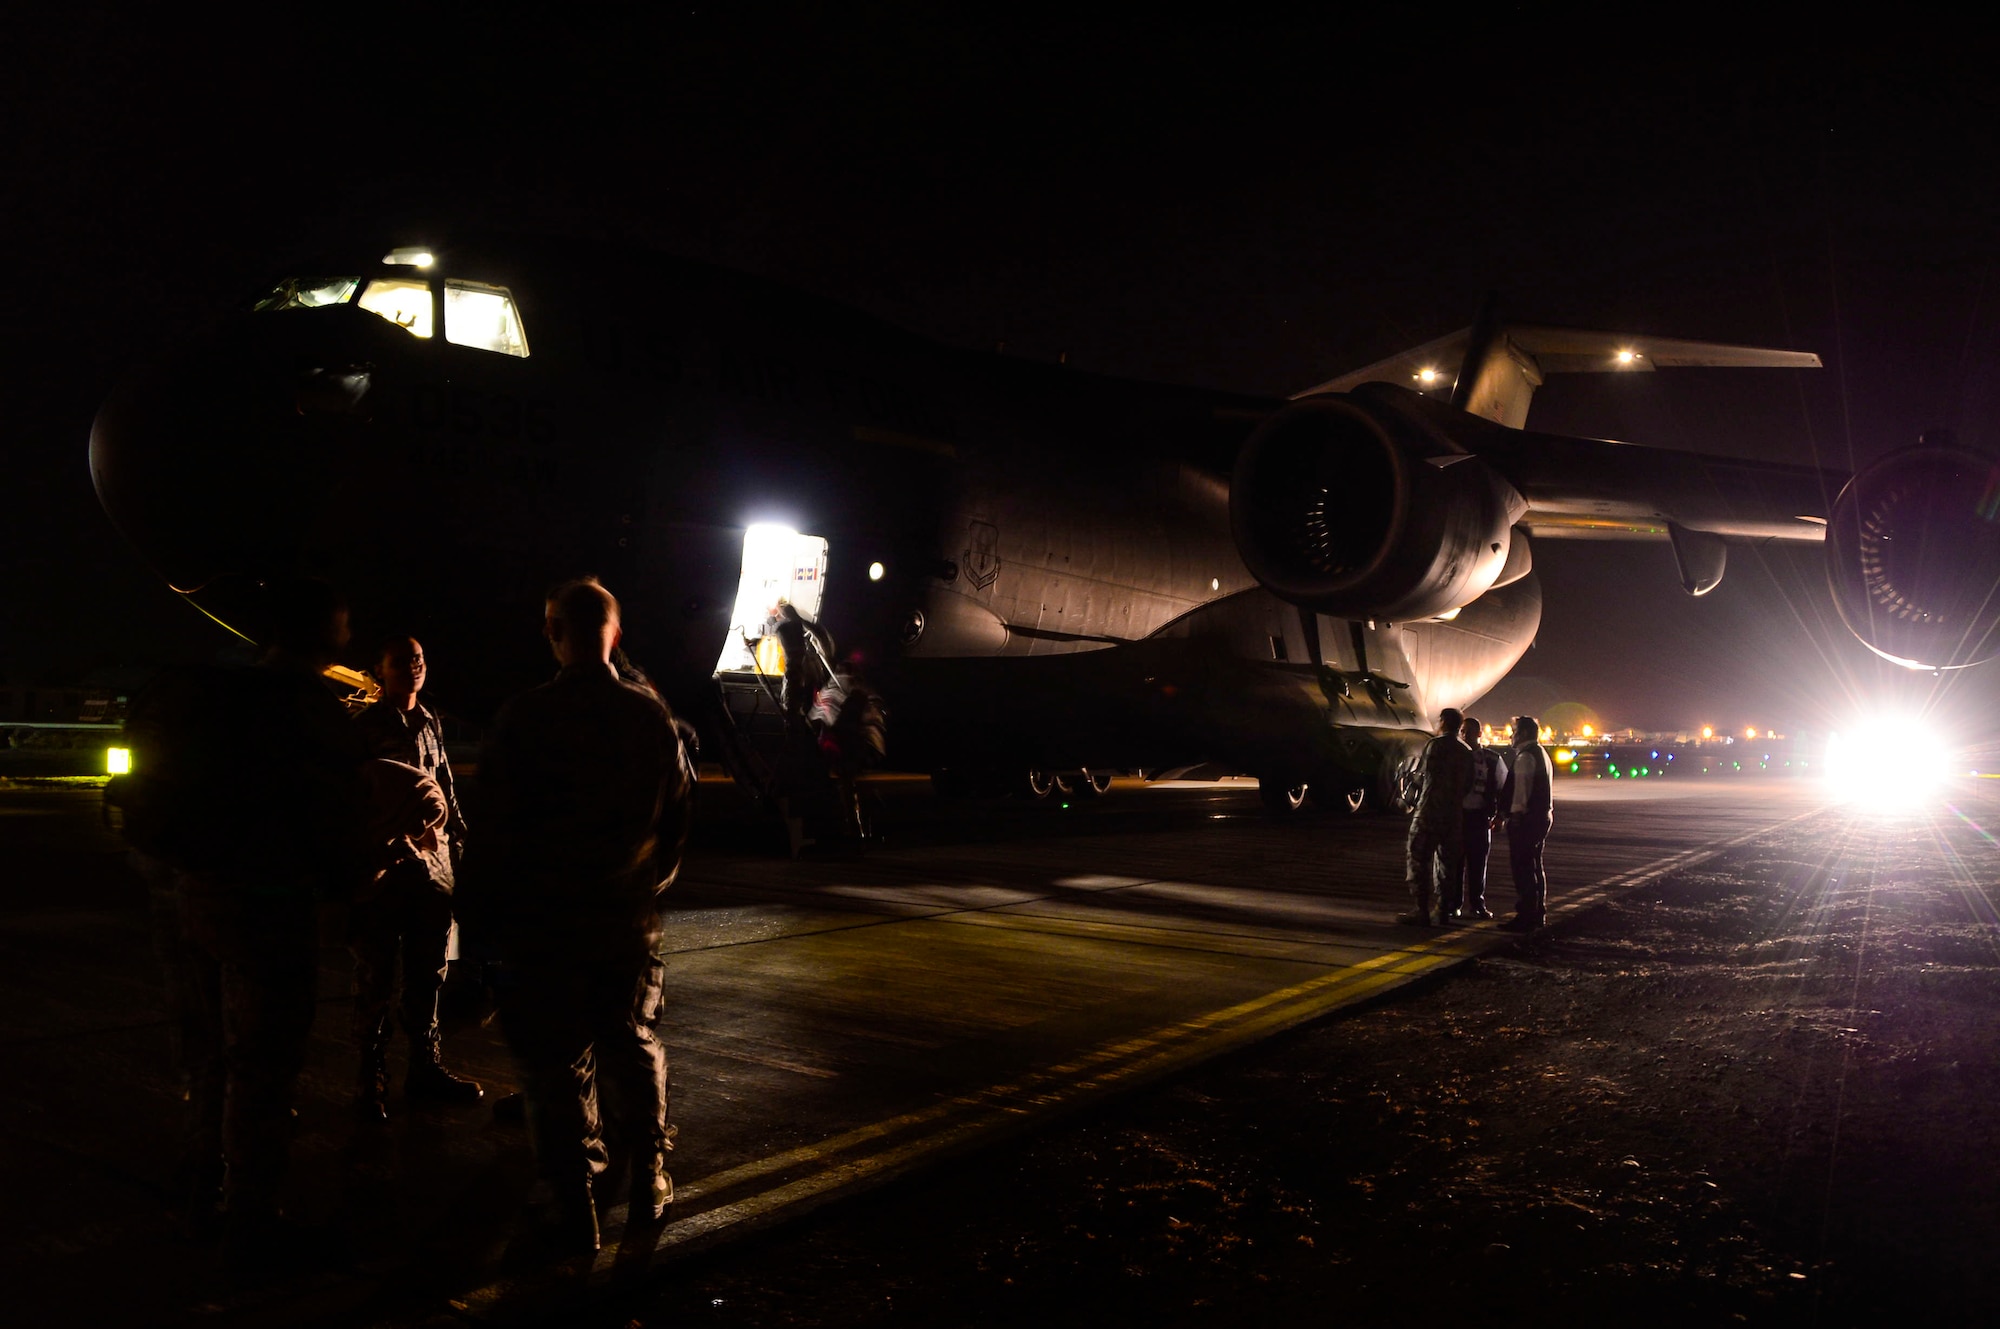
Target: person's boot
652	1188
428	1079
371	1086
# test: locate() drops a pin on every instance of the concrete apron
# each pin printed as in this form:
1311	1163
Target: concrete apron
867	1019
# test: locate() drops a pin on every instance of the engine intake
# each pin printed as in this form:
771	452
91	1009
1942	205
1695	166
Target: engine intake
1346	508
1914	557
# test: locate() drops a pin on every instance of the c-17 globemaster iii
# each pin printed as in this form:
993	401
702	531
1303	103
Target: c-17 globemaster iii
1049	574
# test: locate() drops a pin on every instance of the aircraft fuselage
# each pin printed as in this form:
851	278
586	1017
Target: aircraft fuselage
1035	565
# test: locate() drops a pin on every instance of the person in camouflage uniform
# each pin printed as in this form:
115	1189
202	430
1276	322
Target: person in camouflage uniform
1436	838
585	798
407	909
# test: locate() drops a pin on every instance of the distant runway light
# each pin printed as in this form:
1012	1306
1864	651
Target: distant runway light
1627	357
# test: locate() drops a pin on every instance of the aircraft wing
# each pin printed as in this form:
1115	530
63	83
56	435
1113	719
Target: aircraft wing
1598	489
1521	356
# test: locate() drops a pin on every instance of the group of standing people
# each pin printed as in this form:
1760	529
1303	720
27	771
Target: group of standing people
259	807
1466	792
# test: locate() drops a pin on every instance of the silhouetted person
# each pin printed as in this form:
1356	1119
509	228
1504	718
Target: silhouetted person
585	795
808	650
166	744
259	811
1432	850
853	736
406	910
1482	800
1528	804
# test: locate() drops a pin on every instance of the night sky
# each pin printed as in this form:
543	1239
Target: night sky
1221	201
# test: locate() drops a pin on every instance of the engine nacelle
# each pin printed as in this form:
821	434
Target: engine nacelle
1913	555
1350	509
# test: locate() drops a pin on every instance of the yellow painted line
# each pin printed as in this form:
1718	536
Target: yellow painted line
1310	996
1108	1065
1405	962
1300	1001
1270	944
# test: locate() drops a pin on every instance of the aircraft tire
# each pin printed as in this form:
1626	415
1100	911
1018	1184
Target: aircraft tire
1038	785
1092	784
1351	801
1280	798
1396	788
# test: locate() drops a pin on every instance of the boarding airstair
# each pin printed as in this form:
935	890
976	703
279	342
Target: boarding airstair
766	744
771	749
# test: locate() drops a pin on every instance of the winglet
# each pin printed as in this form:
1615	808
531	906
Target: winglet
1513	359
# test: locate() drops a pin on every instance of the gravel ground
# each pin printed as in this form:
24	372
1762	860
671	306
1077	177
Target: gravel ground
1757	1092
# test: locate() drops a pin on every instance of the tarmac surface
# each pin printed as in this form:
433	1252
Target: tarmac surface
832	1024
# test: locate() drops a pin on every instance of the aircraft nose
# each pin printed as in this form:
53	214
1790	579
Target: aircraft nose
207	463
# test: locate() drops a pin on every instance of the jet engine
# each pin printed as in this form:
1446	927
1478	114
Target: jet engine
1349	508
1913	555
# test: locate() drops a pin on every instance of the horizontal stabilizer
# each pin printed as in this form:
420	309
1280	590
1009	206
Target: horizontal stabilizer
1526	354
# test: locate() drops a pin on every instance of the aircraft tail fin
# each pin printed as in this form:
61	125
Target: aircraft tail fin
1492	368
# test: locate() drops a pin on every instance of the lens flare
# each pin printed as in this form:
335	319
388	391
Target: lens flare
1888	764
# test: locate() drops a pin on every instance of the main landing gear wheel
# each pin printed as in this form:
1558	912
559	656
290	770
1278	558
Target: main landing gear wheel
1037	785
1354	800
1093	784
1396	786
1281	798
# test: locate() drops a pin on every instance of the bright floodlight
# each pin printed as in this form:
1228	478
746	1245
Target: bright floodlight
1626	357
118	761
1889	764
1427	375
875	571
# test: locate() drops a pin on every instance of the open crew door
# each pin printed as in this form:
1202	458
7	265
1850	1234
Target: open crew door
779	564
765	745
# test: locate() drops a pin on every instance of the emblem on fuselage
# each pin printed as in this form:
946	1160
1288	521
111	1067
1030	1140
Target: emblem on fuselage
981	561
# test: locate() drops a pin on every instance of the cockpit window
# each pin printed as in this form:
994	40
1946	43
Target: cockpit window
484	317
403	302
310	293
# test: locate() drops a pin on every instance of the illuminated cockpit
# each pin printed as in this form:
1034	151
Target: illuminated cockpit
484	317
476	314
310	293
404	302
